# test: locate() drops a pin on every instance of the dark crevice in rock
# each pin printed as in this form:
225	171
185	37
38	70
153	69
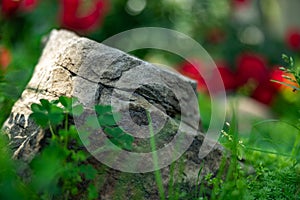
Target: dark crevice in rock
161	97
148	95
36	90
73	74
18	119
138	114
98	93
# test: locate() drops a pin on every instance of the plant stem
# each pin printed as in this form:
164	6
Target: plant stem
295	149
52	132
157	173
232	173
197	190
66	121
267	152
171	181
66	129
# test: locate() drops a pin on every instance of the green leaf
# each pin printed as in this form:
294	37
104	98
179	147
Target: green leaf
106	120
71	175
36	107
66	102
79	156
46	104
74	191
49	166
54	102
114	132
56	118
77	110
40	119
116	142
103	109
92	192
285	58
74	133
286	84
127	141
55	109
47	113
124	141
89	171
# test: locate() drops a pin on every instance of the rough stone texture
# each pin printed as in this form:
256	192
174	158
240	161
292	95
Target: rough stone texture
76	66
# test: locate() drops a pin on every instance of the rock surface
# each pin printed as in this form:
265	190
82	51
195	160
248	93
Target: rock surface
98	74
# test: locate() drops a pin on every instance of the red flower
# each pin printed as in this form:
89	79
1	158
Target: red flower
240	3
192	70
228	77
10	7
195	70
71	17
293	39
251	67
5	58
29	5
264	93
277	75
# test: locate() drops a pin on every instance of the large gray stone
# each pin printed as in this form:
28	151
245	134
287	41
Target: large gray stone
98	74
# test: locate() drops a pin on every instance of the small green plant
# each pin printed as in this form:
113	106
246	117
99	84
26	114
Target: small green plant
11	184
107	120
67	162
233	185
62	165
5	101
274	184
158	177
290	69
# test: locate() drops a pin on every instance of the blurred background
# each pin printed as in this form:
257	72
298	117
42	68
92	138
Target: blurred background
246	39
